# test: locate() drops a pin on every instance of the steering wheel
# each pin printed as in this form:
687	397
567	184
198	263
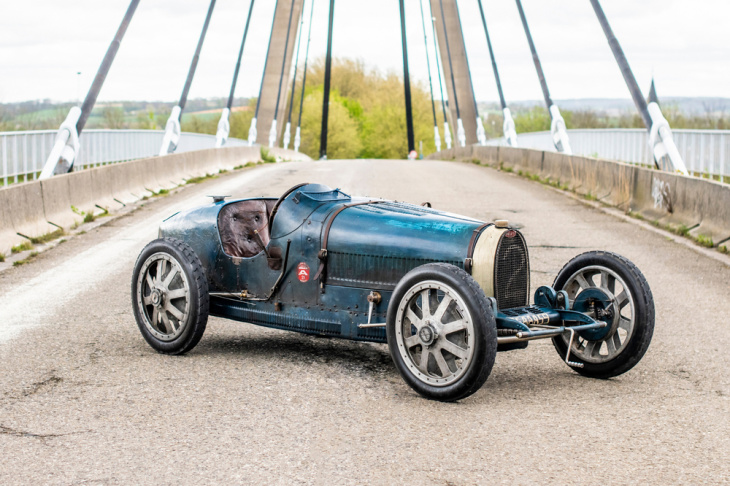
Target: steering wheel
278	202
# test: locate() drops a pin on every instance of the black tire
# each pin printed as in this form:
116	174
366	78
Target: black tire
172	334
630	351
479	333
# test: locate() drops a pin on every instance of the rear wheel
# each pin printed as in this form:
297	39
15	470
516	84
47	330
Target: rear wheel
611	283
170	296
441	332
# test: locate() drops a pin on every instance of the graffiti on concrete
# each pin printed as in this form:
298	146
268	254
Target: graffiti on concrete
661	193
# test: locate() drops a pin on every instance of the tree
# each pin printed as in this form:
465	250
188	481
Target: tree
113	117
343	141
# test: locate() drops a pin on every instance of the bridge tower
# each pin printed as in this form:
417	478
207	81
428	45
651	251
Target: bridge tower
461	89
274	62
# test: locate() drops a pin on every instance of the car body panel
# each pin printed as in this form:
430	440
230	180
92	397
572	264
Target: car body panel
370	247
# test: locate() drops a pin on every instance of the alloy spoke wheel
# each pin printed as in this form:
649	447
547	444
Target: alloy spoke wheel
435	333
621	305
163	296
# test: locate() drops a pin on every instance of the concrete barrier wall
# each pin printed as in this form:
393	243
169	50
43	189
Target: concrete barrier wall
35	208
701	205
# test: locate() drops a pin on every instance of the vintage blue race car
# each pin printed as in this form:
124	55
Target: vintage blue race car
446	292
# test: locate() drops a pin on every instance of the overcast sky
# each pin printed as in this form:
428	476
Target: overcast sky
44	43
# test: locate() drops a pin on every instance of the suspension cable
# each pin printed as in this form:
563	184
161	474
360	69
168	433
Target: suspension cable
535	59
327	75
283	61
104	67
240	55
448	55
306	62
491	54
466	58
438	66
266	62
428	64
296	63
406	80
196	57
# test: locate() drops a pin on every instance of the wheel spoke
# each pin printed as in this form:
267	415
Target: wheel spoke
443	365
155	318
176	294
625	324
582	281
424	360
170	276
174	311
622	299
454	326
147	300
412	341
611	346
590	348
160	269
452	348
149	280
441	309
426	303
168	325
616	340
411	316
608	281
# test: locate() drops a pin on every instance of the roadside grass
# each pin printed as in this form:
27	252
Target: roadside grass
2	257
196	180
266	156
24	246
162	192
32	255
53	235
88	216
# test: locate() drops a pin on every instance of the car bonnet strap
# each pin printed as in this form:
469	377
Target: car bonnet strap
322	255
473	244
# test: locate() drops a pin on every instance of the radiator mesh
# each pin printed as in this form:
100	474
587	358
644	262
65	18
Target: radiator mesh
512	272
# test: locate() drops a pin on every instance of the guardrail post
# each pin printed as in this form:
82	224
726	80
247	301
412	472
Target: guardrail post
5	161
172	132
558	131
252	133
661	141
224	128
65	147
508	128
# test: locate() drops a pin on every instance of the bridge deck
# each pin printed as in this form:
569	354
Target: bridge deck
257	405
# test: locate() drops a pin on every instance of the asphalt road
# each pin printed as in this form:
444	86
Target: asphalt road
84	400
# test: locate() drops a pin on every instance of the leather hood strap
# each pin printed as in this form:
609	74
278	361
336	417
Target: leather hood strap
472	245
322	255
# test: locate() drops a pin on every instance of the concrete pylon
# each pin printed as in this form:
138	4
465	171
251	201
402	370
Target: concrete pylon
464	89
270	87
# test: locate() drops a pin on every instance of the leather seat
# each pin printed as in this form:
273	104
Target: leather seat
237	223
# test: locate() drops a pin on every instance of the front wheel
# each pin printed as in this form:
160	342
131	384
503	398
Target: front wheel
611	283
442	333
170	296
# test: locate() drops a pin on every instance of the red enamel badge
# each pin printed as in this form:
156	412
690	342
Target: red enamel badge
303	272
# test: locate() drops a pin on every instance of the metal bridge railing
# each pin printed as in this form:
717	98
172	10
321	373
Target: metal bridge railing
705	152
23	154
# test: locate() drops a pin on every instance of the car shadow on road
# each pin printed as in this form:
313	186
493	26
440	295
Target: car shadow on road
511	376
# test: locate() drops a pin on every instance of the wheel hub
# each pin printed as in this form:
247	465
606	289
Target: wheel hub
600	304
157	297
428	334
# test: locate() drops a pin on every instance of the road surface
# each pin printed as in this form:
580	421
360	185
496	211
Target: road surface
84	400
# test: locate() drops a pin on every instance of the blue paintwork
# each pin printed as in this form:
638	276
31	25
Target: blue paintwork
370	248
